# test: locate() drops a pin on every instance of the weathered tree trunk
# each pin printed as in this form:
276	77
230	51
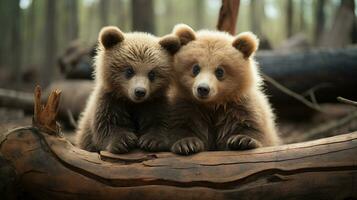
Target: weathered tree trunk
143	15
122	21
289	18
319	21
256	9
301	15
48	68
228	15
72	20
103	12
16	40
340	34
199	14
49	167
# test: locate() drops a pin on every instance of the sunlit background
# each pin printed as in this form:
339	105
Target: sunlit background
36	32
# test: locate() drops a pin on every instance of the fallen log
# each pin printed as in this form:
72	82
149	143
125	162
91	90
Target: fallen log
333	70
49	167
38	162
324	73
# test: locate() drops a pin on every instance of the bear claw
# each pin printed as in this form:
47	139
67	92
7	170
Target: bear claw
151	142
242	142
123	143
187	146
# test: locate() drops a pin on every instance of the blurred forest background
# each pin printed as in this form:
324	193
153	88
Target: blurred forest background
35	33
306	46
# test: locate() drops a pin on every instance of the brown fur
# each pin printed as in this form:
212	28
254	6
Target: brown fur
112	120
237	115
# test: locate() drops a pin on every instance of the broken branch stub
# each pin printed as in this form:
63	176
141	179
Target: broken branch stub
45	115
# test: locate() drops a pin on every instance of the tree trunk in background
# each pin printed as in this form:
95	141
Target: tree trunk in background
122	21
302	13
4	32
342	27
255	17
48	68
31	33
170	19
319	20
72	20
350	6
199	14
143	15
289	18
103	12
16	40
228	16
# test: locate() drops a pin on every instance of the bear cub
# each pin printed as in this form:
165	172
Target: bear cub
217	102
128	105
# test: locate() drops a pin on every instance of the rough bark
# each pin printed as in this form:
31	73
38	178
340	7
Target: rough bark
49	167
228	15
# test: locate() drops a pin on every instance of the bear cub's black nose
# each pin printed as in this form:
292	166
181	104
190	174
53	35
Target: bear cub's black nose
203	90
140	92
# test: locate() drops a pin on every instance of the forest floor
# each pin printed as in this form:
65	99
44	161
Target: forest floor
318	126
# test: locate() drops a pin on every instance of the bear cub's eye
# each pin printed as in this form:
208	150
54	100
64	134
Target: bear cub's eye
196	70
151	75
129	72
219	73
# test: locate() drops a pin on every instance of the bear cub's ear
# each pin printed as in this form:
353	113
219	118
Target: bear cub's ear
110	36
171	43
185	33
247	43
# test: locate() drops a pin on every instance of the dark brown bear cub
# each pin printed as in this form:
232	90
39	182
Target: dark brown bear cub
129	101
217	100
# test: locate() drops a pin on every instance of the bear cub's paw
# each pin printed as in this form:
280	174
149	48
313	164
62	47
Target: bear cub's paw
153	142
123	143
242	142
187	146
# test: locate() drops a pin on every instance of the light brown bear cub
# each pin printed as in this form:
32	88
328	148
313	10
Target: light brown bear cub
217	100
129	101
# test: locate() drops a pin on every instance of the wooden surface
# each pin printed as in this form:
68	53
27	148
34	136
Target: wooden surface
49	167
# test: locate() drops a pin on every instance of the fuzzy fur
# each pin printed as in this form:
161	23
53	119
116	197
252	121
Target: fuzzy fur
112	120
237	114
